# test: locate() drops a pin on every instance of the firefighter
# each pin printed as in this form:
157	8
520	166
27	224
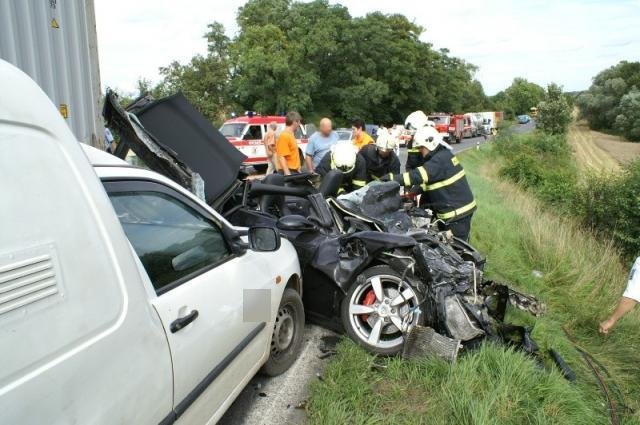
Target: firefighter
344	157
380	159
441	178
413	122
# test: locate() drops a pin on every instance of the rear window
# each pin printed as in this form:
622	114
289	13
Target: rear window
232	129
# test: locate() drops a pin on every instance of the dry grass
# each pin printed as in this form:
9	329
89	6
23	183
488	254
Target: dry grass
596	151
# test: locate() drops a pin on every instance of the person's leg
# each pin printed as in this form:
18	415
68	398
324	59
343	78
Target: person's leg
271	166
460	228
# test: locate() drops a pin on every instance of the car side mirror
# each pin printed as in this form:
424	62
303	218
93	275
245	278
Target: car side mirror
264	239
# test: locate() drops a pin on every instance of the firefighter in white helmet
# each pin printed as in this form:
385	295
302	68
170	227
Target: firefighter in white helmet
380	158
344	157
445	189
413	122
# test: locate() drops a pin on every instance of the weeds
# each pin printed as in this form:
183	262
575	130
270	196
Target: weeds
582	277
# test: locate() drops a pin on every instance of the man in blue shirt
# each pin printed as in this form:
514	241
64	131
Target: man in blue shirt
319	144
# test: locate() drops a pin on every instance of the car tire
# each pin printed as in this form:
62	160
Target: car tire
288	330
388	339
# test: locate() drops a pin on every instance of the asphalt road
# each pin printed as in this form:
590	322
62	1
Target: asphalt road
281	400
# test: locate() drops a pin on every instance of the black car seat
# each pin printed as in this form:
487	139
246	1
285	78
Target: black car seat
273	203
331	184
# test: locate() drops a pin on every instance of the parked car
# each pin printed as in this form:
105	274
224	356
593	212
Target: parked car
344	134
124	297
523	119
246	133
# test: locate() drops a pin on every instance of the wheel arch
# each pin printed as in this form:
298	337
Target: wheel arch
295	283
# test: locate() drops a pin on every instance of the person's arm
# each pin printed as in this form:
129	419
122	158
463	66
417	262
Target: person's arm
309	152
360	174
395	165
309	161
284	165
624	306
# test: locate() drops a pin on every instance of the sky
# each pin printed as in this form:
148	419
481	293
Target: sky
563	41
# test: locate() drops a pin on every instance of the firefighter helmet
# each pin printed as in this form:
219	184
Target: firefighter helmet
427	137
343	156
415	120
386	141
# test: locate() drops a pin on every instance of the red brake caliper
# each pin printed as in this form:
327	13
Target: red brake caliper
368	299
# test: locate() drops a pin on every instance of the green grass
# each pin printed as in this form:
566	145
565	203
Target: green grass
582	279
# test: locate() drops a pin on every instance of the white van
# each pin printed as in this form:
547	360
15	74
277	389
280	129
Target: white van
125	299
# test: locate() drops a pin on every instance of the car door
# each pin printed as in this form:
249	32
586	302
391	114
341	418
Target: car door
213	301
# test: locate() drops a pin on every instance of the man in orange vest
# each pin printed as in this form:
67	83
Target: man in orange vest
360	136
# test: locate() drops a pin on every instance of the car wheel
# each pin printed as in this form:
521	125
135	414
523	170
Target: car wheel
378	307
288	330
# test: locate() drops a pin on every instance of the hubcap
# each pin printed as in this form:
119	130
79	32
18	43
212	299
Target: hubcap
381	321
283	331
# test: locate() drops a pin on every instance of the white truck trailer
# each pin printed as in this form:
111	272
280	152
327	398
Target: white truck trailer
55	43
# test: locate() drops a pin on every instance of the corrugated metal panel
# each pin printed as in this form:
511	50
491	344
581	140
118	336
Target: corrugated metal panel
54	41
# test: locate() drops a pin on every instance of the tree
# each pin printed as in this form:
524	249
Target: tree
600	105
519	97
316	58
628	120
554	112
205	79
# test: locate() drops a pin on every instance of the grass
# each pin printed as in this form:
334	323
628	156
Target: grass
582	279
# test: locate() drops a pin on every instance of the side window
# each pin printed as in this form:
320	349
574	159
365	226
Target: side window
171	239
254	133
299	134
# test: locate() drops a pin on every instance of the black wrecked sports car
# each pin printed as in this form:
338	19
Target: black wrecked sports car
373	265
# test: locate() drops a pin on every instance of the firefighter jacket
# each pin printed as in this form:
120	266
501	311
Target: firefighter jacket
378	166
351	180
414	159
444	185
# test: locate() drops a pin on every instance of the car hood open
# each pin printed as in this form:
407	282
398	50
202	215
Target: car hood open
176	140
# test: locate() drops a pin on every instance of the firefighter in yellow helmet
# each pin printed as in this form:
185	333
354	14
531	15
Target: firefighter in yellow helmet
344	157
445	189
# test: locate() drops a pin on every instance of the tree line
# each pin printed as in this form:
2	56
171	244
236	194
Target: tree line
613	100
314	57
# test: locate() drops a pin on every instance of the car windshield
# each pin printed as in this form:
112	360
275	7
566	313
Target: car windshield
444	119
232	129
344	134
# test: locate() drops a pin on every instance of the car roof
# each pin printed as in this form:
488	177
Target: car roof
256	119
98	158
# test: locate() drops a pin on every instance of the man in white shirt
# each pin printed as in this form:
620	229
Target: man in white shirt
629	299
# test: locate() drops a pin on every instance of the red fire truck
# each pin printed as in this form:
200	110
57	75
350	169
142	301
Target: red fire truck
441	122
246	133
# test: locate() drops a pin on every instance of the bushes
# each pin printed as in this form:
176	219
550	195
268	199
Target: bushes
607	204
610	204
540	162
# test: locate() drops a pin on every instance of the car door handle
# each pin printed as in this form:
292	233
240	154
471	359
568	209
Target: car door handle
182	322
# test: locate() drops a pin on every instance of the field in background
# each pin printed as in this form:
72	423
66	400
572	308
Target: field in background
596	151
582	278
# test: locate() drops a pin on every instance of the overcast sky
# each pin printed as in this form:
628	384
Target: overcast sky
564	41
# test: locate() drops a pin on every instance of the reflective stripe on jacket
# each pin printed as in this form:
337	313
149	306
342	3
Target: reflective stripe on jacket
444	184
